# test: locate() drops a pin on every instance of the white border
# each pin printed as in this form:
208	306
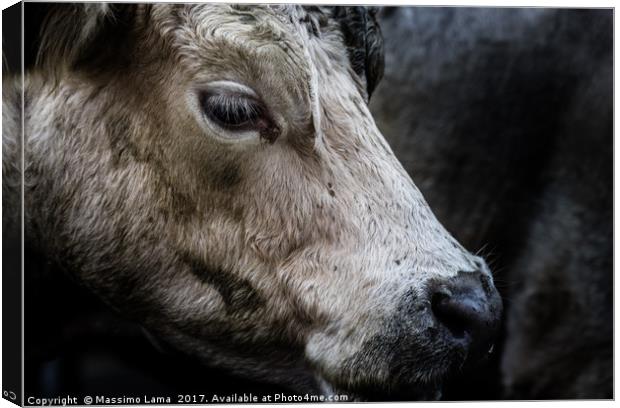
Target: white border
475	3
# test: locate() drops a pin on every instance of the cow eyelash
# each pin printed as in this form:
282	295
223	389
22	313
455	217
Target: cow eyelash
235	112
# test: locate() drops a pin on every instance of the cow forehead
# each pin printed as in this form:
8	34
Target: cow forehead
312	18
253	26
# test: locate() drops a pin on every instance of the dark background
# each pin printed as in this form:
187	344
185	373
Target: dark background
503	118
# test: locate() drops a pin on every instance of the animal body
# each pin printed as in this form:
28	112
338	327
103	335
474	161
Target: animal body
505	118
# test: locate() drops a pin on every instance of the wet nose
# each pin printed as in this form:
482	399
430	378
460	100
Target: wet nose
468	308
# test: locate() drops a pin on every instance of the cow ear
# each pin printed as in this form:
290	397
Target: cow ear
364	42
83	34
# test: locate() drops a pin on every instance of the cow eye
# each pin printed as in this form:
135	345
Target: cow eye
234	111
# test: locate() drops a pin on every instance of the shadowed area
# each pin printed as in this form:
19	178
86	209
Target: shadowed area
504	119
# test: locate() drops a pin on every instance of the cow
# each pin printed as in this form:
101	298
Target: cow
213	172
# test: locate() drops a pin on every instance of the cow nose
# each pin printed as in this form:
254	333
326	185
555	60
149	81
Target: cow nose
468	307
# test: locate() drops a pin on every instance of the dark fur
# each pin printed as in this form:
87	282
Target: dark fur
363	37
504	116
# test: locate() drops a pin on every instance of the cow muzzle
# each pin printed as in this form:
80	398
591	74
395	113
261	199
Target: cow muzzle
432	335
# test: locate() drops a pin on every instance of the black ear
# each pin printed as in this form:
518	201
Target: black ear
72	35
364	41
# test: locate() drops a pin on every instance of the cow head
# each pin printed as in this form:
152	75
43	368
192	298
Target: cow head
213	172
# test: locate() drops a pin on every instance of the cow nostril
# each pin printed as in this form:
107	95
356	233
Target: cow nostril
467	311
450	314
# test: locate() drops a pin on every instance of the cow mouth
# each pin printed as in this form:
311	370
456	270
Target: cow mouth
409	379
412	392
